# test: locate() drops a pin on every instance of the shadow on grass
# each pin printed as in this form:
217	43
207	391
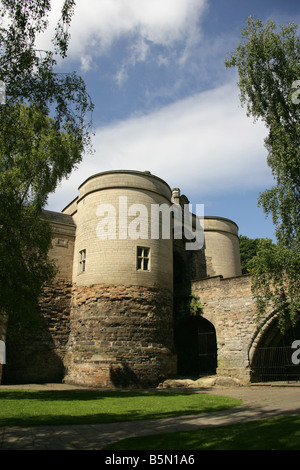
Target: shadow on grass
65	395
280	433
33	408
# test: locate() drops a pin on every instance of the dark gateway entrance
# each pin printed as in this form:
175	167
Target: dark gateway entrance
274	358
196	345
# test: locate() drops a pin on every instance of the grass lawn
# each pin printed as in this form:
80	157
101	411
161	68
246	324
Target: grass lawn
35	407
270	434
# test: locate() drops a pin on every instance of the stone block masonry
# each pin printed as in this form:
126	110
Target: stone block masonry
36	355
229	305
120	336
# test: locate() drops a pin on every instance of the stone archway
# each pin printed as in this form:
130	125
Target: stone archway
196	346
271	355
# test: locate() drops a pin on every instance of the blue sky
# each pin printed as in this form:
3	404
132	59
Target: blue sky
165	103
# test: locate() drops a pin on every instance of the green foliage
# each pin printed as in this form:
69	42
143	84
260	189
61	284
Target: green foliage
276	280
268	63
25	266
195	305
34	154
29	74
248	250
44	130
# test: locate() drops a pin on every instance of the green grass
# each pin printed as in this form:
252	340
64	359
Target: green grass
35	407
269	434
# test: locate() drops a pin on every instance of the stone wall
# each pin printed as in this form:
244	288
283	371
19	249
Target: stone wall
62	246
120	336
107	336
228	304
36	355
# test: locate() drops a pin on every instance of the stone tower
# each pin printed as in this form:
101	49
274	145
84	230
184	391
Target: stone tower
121	330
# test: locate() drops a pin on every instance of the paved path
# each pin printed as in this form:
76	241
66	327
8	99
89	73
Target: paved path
259	402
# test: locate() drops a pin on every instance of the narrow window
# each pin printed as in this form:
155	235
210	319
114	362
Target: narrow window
143	259
82	260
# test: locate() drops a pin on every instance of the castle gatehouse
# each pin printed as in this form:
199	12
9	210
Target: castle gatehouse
146	290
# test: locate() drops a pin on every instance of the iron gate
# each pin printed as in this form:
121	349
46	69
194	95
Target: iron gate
207	353
274	364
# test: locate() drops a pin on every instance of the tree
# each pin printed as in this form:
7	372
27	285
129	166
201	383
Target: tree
268	63
44	130
29	73
248	250
34	156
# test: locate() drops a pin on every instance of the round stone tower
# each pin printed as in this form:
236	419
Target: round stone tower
220	255
122	317
222	248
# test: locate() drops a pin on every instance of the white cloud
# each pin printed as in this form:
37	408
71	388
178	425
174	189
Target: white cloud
203	144
159	21
138	52
96	25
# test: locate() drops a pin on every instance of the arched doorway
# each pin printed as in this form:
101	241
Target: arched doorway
196	346
273	358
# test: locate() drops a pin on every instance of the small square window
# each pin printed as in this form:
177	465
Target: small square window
143	259
82	261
